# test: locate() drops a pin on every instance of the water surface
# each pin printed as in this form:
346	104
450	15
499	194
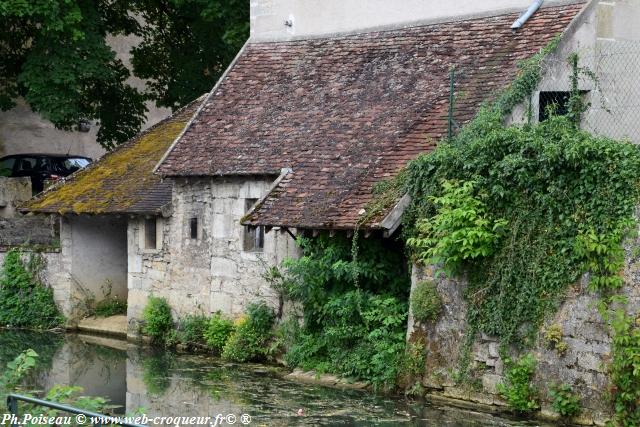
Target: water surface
169	384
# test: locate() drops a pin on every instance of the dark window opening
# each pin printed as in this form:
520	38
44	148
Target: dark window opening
193	228
150	236
553	103
253	236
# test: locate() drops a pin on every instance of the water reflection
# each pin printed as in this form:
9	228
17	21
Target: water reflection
165	384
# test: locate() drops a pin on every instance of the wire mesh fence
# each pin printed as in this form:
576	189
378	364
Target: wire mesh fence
608	77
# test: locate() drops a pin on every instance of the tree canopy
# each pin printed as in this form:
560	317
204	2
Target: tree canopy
56	55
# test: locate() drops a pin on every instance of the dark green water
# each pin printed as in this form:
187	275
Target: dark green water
167	384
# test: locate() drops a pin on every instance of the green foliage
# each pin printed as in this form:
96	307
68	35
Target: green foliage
218	331
25	302
426	302
565	402
553	336
17	369
556	186
352	331
55	55
110	307
158	321
625	369
518	390
186	45
249	340
460	230
192	328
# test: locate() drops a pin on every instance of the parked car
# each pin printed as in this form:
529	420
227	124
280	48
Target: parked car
41	167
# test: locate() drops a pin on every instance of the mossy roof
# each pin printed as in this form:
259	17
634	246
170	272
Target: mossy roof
122	181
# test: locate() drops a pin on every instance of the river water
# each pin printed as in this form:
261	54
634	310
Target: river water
168	384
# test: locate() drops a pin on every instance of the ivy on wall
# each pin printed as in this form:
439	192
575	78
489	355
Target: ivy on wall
523	211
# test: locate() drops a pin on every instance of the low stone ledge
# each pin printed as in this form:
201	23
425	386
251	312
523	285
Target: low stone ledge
329	380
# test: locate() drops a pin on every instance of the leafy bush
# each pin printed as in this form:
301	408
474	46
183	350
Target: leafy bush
191	329
217	332
158	321
363	336
17	369
110	307
248	342
565	402
567	197
518	391
25	302
356	332
425	302
460	230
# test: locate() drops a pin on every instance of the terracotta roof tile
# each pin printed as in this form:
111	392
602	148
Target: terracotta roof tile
345	112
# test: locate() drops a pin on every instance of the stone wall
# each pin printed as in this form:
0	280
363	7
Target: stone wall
212	272
583	366
13	191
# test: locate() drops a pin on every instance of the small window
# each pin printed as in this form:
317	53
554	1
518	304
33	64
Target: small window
253	236
150	235
193	228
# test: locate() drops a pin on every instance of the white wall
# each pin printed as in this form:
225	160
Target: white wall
99	254
607	40
317	17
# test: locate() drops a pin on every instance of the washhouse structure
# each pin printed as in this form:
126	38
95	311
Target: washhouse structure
290	140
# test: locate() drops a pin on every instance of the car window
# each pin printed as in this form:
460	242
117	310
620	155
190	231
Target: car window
6	166
26	164
74	164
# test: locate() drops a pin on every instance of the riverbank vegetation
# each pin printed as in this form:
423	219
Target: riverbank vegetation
353	314
25	301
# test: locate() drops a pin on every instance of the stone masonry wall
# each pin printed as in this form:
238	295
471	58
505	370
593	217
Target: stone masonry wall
583	366
213	272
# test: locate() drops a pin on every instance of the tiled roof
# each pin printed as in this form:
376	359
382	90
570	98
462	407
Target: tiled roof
345	112
123	180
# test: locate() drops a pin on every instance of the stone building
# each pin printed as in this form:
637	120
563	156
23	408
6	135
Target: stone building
101	210
290	140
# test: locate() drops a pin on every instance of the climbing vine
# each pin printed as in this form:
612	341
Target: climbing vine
524	211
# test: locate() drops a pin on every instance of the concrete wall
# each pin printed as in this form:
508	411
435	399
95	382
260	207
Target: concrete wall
310	18
99	254
211	273
607	41
23	131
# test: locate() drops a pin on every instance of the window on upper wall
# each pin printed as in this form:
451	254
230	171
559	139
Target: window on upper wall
253	236
193	228
150	233
556	101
